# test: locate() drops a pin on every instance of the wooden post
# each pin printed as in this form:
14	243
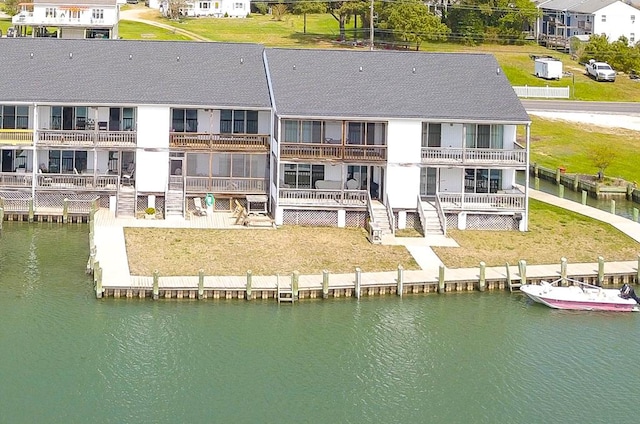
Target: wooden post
600	270
325	284
65	211
156	284
584	197
358	282
441	279
98	277
92	259
200	283
563	271
635	214
30	210
630	191
508	276
249	282
295	277
613	206
557	175
1	217
536	183
522	266
535	170
561	191
482	283
576	182
400	281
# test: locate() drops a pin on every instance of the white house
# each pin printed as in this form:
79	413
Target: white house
324	137
563	19
69	18
214	8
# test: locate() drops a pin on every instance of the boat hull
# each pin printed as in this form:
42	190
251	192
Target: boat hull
578	298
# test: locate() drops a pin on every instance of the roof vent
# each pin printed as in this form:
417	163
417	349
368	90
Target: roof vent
413	70
70	55
497	71
294	67
31	55
130	56
241	60
361	69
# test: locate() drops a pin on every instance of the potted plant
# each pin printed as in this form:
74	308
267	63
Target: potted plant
150	213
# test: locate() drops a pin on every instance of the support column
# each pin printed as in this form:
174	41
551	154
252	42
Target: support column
325	284
483	282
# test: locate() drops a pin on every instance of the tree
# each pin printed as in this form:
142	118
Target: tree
279	11
173	8
343	10
412	21
302	7
602	155
618	54
11	7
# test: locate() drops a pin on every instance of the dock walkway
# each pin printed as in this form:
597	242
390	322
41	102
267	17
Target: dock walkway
434	276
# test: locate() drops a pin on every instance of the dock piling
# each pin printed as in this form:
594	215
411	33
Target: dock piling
358	282
156	285
65	210
325	284
441	279
584	197
295	278
522	266
563	271
483	282
200	283
561	191
635	214
249	282
31	210
638	271
536	183
613	206
1	217
600	270
400	280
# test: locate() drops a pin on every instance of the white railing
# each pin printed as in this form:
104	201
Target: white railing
14	203
457	155
422	215
75	182
441	217
225	185
15	179
546	92
375	233
390	215
298	197
481	201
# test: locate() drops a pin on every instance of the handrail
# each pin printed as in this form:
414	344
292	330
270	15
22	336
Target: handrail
441	217
421	214
390	215
374	232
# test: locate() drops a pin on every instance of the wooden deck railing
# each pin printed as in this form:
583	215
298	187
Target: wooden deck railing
226	185
16	136
333	151
15	179
83	138
77	182
311	197
481	201
450	155
210	141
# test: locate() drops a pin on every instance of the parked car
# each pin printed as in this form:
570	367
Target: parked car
11	32
600	71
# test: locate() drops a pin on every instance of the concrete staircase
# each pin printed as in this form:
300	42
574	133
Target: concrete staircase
433	222
126	206
174	203
381	218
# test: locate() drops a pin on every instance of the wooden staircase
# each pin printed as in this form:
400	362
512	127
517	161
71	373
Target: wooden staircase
126	205
380	217
174	203
433	222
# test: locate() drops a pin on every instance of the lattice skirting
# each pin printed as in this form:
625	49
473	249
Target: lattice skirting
413	221
356	219
310	218
142	202
491	222
452	220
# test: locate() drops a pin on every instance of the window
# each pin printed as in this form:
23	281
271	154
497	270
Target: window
604	18
302	131
239	122
67	161
431	134
302	175
633	18
97	13
482	180
14	117
50	12
216	5
184	120
483	136
368	133
632	37
205	5
238	6
239	165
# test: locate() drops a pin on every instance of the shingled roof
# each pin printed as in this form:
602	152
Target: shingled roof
132	72
582	6
392	84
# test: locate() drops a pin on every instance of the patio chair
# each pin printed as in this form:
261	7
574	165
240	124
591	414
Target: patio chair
200	211
128	175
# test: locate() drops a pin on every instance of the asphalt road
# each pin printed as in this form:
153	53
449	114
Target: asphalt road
608	108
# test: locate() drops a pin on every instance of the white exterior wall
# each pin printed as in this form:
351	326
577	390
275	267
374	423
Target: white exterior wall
64	17
72	33
44	117
509	136
618	21
152	167
451	135
404	153
334	173
264	122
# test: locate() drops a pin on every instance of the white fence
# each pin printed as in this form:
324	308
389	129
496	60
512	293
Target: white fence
548	92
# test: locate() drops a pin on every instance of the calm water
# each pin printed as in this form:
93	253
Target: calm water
66	357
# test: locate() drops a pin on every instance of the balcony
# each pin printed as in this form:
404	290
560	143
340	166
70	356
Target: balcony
16	137
507	201
291	197
219	142
84	138
15	180
328	151
77	182
229	185
462	156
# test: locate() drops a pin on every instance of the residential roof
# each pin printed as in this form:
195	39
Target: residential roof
582	6
392	84
132	72
77	2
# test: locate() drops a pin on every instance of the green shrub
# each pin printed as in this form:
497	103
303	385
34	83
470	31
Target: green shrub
150	211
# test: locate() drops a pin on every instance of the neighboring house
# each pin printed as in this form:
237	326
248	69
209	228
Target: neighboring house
326	137
69	18
215	8
563	19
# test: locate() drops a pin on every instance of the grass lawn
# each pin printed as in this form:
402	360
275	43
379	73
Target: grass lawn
265	252
139	31
566	144
554	233
4	24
